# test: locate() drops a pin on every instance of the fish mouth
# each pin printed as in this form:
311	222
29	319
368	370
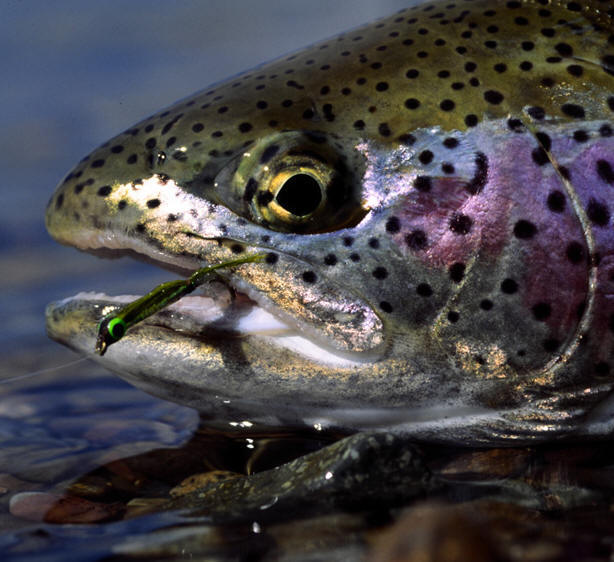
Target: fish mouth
219	309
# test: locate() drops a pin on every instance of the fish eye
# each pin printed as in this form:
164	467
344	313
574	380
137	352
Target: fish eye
295	182
300	194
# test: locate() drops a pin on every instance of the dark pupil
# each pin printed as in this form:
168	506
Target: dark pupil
300	195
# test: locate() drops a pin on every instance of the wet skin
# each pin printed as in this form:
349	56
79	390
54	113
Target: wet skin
432	194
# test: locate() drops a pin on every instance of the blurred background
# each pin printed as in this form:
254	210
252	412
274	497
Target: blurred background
75	73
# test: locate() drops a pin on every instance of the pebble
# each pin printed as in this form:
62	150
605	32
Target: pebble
55	508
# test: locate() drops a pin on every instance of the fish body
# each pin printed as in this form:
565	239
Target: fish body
433	195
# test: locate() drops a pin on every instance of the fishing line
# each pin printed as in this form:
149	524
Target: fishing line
42	371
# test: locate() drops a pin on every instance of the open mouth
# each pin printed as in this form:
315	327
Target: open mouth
216	309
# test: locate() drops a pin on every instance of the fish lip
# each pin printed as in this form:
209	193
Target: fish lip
287	334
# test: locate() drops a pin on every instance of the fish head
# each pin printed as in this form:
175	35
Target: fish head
405	182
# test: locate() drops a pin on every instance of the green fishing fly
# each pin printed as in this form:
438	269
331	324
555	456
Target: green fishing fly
114	326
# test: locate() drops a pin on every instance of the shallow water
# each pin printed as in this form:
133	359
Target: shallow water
75	74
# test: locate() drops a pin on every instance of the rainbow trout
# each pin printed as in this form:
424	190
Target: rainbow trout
432	195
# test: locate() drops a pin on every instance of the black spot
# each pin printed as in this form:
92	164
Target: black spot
471	120
360	124
509	286
493	97
447	105
98	163
385	306
539	155
140	227
309	277
564	49
541	311
500	67
381	86
412	73
477	183
380	273
575	70
524	229
153	203
250	189
384	130
424	290
412	103
460	224
515	125
547	82
355	257
117	149
268	153
536	112
59	201
422	183
104	190
527	45
197	127
574	7
271	258
525	65
426	157
416	240
605	130
450	143
564	172
580	136
457	272
327	109
447	168
607	63
330	259
521	21
150	143
453	316
573	110
245	127
236	248
393	225
374	243
598	212
122	204
470	66
575	252
548	32
604	169
486	304
347	241
556	201
407	139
